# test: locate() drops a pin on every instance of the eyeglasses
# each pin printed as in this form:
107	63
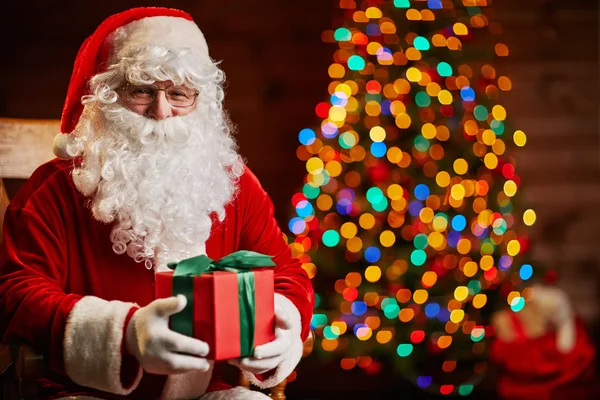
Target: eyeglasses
177	96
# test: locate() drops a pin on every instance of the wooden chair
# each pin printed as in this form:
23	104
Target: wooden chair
24	145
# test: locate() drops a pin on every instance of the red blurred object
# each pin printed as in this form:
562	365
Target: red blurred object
533	368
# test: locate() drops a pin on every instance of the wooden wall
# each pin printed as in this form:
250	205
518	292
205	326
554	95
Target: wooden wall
553	65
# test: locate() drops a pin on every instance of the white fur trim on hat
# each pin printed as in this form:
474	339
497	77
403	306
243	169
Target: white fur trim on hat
66	146
236	393
168	32
294	354
188	385
92	344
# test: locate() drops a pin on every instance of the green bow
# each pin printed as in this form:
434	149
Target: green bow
241	262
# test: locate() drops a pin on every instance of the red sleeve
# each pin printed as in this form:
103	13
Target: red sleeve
261	233
129	365
34	307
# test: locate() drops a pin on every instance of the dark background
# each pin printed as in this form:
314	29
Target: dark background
276	65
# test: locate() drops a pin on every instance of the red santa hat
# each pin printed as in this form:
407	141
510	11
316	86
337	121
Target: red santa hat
138	27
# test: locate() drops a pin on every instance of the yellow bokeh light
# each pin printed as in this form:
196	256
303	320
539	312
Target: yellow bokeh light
384	336
443	133
366	221
402	86
324	202
413	15
413	74
377	134
513	247
348	230
412	54
463	246
373	273
314	166
529	217
461	293
339	326
512	296
499	113
488	137
373	13
520	138
373	47
440	223
403	121
470	269
395	191
490	160
336	71
420	296
486	262
436	239
442	179
428	130
344	88
426	215
479	300
433	89
334	168
445	97
457	192
387	238
498	147
460	29
310	268
510	188
373	108
394	154
460	166
354	244
457	316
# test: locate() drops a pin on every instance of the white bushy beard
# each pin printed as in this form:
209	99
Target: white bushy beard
159	181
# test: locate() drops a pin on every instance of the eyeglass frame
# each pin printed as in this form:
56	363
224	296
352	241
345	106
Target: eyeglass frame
124	88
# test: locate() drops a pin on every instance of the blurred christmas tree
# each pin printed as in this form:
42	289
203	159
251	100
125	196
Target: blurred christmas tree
408	218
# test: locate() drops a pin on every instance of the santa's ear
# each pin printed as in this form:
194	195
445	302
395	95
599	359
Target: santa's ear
67	146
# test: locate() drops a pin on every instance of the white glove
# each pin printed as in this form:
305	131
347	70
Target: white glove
160	350
270	355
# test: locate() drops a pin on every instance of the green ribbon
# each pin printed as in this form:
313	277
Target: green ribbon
241	262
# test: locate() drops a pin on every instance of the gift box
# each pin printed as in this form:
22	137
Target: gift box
230	302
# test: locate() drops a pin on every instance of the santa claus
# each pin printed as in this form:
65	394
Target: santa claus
147	174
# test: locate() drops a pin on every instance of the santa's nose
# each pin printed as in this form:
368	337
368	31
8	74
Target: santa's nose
160	107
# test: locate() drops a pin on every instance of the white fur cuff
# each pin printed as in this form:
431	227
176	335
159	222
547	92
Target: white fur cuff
237	393
189	385
294	354
92	344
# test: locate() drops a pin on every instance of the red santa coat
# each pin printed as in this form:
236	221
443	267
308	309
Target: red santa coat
65	291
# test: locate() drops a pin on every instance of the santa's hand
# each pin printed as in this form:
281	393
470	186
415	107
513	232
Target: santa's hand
160	350
270	355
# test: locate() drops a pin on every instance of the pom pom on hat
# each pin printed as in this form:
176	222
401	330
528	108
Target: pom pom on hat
140	26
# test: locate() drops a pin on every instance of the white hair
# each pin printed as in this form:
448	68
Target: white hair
158	181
